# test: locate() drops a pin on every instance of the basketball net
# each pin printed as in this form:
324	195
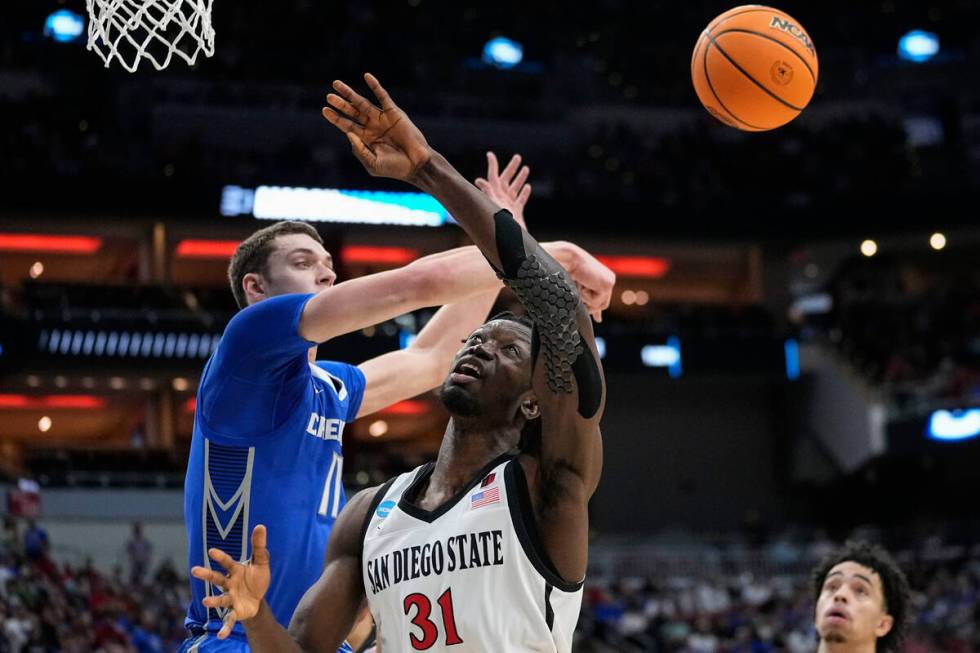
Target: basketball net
131	30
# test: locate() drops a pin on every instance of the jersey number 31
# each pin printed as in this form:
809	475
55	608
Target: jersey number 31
429	630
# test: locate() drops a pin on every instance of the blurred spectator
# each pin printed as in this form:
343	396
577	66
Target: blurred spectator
139	552
36	543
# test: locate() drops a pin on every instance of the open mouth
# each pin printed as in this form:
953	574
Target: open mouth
465	368
836	615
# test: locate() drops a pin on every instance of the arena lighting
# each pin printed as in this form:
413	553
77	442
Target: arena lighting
407	407
955	425
71	342
334	205
869	248
918	46
668	355
502	52
30	402
792	350
47	243
600	346
638	267
64	26
219	249
377	255
937	241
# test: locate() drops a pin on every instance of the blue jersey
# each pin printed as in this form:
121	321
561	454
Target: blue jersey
267	450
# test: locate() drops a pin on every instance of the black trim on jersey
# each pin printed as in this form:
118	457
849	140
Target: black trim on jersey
549	612
375	502
522	516
429	516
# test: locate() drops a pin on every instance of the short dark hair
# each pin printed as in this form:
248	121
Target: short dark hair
512	317
252	254
894	585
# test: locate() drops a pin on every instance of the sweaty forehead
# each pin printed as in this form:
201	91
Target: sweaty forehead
850	570
506	328
290	242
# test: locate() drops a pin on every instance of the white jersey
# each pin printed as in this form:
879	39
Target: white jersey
468	576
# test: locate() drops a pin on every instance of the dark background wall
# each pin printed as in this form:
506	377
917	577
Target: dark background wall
700	452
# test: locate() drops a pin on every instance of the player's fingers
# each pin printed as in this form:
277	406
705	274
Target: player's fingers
222	601
222	558
342	123
482	184
352	96
363	153
342	106
260	554
524	195
520	179
209	576
379	92
229	622
493	168
511	168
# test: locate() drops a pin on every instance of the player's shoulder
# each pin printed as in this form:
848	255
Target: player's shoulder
348	533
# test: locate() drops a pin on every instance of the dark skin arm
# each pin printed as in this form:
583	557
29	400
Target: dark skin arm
338	593
563	476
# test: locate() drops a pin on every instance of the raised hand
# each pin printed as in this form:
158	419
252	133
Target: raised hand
508	188
382	137
244	586
595	283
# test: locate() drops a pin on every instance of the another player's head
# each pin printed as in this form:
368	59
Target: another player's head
490	379
862	600
287	257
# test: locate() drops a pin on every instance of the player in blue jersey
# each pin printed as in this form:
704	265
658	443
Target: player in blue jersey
525	400
270	419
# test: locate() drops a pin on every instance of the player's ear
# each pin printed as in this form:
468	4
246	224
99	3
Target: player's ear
530	407
254	286
884	625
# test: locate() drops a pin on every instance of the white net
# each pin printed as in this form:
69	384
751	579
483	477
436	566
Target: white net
132	30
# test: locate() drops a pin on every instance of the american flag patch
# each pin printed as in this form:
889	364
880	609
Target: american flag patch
485	497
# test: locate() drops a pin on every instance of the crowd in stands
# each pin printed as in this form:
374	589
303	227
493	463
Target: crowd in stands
769	607
53	607
702	601
132	130
911	325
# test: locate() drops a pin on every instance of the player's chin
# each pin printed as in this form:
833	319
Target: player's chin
459	399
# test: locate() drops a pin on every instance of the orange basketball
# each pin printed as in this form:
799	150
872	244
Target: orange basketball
754	68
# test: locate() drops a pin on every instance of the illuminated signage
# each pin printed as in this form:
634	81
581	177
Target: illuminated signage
954	425
334	205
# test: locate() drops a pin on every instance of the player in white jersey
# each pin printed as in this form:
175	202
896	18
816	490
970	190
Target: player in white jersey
486	548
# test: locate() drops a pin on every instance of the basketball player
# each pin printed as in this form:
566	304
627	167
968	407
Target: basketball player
862	601
269	423
485	549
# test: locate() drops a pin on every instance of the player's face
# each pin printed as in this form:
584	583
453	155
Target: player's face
490	372
299	264
851	606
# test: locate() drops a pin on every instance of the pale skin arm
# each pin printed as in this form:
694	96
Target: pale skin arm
327	611
565	473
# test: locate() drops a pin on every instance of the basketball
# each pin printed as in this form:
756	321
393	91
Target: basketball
754	68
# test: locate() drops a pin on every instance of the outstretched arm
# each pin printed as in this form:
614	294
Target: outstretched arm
567	379
422	366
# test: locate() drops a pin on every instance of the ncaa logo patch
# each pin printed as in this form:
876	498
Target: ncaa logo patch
385	508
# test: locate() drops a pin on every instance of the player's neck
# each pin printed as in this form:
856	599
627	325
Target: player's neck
845	647
464	452
311	354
